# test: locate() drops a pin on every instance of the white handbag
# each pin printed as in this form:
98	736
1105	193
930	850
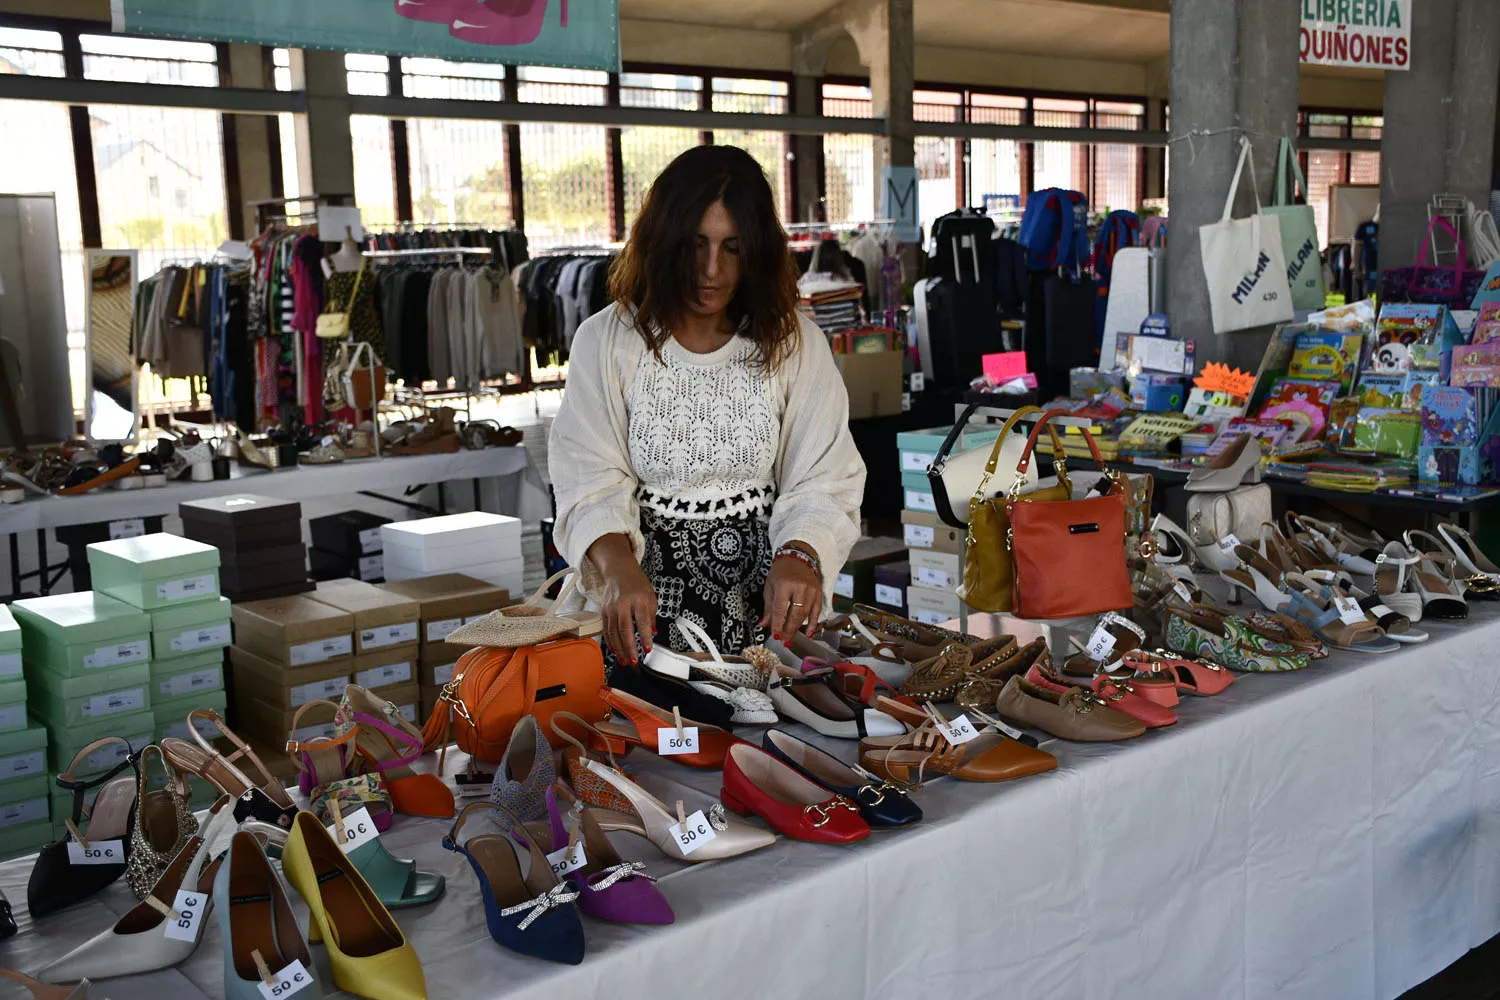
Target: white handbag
1239	512
958	476
1244	263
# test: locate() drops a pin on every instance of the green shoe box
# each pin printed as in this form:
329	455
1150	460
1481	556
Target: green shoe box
12	690
75	701
23	754
23	802
155	571
64	742
25	838
78	634
171	715
10	645
187	676
190	629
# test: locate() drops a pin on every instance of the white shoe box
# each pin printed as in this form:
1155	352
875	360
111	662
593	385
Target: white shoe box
503	572
450	543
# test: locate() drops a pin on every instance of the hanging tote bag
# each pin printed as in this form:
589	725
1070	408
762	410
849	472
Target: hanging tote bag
1453	287
1068	556
334	324
1244	265
1299	234
988	574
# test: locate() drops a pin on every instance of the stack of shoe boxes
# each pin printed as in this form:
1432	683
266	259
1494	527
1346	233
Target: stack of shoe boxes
25	810
935	554
187	663
386	638
78	537
259	540
446	601
484	546
348	545
855	582
287	652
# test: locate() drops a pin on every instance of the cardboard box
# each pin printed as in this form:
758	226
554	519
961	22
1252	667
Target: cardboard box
189	629
333	566
381	618
76	634
891	581
942	570
287	687
448	600
386	667
930	605
242	521
350	533
267	727
436	674
406	697
508	573
155	571
925	530
874	383
271	566
856	580
293	631
442	544
271	593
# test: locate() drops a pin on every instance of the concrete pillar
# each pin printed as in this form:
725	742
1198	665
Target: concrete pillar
1234	64
1439	120
807	151
327	167
252	133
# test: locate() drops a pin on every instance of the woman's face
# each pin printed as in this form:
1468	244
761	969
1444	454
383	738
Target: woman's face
718	261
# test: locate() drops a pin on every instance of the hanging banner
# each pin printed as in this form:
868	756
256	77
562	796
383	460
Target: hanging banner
1373	34
899	202
582	34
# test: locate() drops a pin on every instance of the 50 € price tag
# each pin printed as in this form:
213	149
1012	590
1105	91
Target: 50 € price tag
99	852
358	830
564	860
187	914
292	979
694	834
669	744
1349	610
960	730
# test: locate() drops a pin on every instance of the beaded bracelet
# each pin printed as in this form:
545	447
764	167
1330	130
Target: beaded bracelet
794	552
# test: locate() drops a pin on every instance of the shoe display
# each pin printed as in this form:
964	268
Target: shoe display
1316	605
756	783
883	804
586	785
1435	579
526	772
390	744
257	928
1255	576
162	827
1236	464
1190	676
1120	695
396	881
735	680
979	693
939	678
56	882
608	887
326	772
814	699
641	725
1076	714
368	953
1393	569
666	692
927	751
1470	557
1228	641
44	991
264	799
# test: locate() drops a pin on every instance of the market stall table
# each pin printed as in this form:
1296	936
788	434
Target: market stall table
1329	834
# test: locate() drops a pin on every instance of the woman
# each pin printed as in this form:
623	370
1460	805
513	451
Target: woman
701	457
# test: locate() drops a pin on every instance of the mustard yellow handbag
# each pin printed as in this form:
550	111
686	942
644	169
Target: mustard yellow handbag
988	574
333	324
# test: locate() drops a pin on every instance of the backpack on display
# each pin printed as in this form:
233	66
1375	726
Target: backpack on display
961	327
1010	278
1054	230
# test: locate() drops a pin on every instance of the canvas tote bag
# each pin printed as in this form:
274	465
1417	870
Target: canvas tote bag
1299	235
1243	263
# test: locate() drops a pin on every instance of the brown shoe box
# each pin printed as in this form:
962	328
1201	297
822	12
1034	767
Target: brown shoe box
382	618
270	725
303	586
384	668
407	698
271	566
448	600
256	678
293	631
925	530
242	521
438	661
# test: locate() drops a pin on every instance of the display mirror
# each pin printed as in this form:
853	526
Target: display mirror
111	406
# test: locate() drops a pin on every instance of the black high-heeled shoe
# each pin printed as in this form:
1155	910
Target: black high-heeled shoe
56	882
7	919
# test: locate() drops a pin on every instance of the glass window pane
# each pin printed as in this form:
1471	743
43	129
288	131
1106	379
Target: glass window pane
374	180
770	150
368	75
994	168
440	78
458	172
1324	168
644	153
548	85
766	97
843	101
1061	164
121	59
937	188
31	53
659	90
1116	175
849	172
937	105
565	183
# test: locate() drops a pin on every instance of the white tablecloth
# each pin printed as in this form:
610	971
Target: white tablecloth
1323	835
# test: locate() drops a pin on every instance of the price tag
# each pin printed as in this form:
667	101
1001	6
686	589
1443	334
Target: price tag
207	679
130	527
444	674
439	630
214	635
918	381
388	635
187	914
99	852
921	500
916	461
331	688
10	664
321	650
371	566
1349	610
694	834
843	585
919	536
193	586
1100	644
669	744
292	979
929	577
1228	543
369	541
132	700
565	861
358	830
114	656
1183	591
31	762
888	595
960	730
407	712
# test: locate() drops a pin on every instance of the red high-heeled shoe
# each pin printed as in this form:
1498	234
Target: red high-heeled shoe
503	22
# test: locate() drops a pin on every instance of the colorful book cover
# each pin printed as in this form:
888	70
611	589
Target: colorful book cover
1489	288
1487	326
1325	357
1269	432
1304	403
1450	417
1375	389
1401	326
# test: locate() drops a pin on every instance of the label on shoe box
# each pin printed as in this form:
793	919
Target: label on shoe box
1350	613
333	688
369	540
99	852
916	461
407	712
921	500
289	981
193	586
843	585
130	527
371	566
15	813
927	617
564	860
669	743
471	619
439	630
22	764
918	536
198	638
388	635
107	757
207	679
130	700
384	675
442	675
694	834
357	830
323	731
927	576
13	716
187	914
113	656
180	730
890	596
10	664
320	650
959	730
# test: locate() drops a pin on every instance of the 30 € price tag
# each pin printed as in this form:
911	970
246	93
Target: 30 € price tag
358	830
1349	610
99	852
564	860
669	743
960	730
290	980
694	834
187	913
1100	644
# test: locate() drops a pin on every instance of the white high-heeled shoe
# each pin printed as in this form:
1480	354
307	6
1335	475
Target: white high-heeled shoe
1392	572
1468	553
1256	577
737	682
1208	555
1436	579
652	820
1236	464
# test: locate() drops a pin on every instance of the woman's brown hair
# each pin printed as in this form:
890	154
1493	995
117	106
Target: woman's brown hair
657	273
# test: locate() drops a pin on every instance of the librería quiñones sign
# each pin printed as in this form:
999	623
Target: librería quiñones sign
1375	34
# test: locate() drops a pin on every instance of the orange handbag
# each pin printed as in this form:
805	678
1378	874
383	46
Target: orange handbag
493	689
1068	556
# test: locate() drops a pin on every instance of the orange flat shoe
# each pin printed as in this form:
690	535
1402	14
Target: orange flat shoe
642	722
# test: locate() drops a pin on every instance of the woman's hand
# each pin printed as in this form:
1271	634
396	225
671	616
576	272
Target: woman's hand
793	595
628	599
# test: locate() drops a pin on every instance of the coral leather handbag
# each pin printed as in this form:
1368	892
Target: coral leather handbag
493	689
1068	556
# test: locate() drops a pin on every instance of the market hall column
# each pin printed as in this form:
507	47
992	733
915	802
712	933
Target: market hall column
328	166
1234	64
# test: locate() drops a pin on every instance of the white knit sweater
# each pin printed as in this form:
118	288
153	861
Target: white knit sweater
702	428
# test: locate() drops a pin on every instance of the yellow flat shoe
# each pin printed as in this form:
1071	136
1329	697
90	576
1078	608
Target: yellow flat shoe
367	952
